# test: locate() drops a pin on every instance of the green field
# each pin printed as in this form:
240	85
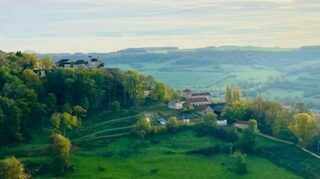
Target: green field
273	83
165	158
104	147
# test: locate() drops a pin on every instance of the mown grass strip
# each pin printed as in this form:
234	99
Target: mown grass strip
102	137
102	131
109	121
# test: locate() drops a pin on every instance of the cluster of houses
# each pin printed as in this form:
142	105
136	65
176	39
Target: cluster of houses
201	102
93	63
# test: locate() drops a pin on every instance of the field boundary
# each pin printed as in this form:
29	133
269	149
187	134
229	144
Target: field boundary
289	143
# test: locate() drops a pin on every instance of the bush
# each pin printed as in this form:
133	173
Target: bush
248	141
240	163
101	168
154	170
115	106
12	168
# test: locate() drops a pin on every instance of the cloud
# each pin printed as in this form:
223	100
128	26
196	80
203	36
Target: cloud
127	23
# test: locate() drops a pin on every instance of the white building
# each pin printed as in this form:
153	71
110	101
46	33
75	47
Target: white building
222	122
175	104
162	121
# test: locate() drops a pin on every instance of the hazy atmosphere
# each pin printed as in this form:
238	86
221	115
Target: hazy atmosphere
108	25
160	89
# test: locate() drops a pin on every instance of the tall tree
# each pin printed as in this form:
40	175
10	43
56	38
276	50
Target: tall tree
304	127
12	169
79	112
60	149
63	121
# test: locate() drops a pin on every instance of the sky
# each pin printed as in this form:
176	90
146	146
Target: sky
46	26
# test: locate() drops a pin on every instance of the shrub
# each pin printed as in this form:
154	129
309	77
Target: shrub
173	124
143	127
210	119
101	168
240	163
248	141
12	168
115	106
154	170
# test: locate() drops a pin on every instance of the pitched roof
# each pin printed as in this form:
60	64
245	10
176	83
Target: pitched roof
200	94
80	62
195	100
218	107
202	107
186	90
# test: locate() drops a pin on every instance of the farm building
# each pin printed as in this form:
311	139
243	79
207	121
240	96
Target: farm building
162	121
203	109
175	104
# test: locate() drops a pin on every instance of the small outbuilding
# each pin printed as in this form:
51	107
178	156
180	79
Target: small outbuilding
162	121
175	104
203	109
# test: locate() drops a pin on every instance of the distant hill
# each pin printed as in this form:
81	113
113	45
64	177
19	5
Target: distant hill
287	74
272	57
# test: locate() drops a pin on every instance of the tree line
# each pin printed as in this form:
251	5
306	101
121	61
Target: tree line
28	100
294	123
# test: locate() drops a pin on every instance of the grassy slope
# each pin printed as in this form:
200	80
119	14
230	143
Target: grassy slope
128	157
166	155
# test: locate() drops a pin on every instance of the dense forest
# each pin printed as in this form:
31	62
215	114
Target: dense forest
35	94
31	90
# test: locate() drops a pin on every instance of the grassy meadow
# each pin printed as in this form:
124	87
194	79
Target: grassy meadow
164	157
104	147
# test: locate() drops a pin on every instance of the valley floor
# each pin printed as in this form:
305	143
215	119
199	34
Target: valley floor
104	148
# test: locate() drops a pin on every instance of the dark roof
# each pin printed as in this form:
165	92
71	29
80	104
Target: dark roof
188	116
186	90
64	61
80	62
200	94
94	60
201	107
218	107
101	65
194	100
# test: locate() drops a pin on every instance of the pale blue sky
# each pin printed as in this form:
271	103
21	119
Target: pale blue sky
108	25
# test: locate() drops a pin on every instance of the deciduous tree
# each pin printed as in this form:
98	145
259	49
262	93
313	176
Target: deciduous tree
60	149
304	127
210	119
11	168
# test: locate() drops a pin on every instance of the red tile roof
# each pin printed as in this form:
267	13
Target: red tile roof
200	94
195	100
201	107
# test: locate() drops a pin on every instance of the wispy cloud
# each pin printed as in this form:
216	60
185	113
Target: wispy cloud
69	25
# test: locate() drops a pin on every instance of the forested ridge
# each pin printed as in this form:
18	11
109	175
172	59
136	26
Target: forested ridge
37	98
32	89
